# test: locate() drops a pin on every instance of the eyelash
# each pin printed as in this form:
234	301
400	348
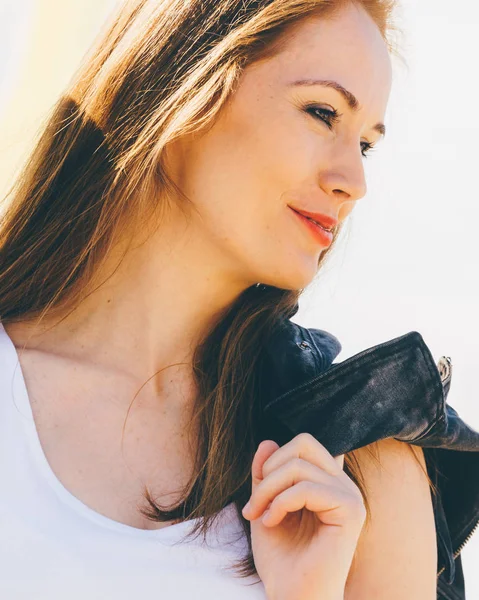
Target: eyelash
333	117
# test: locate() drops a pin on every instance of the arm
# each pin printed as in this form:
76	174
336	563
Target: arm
396	554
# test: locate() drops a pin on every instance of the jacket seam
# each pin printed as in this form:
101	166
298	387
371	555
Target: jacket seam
428	429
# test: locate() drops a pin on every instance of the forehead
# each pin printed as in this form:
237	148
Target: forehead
346	47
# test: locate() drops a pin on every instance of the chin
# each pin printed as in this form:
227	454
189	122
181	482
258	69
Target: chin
291	279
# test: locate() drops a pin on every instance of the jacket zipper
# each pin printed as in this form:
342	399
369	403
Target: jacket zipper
445	369
461	547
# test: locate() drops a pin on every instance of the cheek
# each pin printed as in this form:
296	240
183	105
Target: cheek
279	152
242	175
247	166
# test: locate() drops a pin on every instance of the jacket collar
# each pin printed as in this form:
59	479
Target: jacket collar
393	389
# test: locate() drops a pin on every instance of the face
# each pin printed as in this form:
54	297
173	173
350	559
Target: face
278	145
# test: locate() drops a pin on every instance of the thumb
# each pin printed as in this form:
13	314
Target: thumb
263	452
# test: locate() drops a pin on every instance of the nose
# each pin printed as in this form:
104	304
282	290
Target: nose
343	176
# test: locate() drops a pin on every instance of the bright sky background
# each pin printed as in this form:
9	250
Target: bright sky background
408	261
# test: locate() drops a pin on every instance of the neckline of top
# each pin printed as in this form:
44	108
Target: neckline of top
20	392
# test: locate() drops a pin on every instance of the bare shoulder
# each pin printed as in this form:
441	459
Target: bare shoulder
396	555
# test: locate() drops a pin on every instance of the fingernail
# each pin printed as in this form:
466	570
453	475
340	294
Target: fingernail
246	507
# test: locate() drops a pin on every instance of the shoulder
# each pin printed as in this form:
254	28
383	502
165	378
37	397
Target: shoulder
378	458
396	554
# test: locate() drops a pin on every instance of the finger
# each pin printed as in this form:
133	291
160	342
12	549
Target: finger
305	446
265	449
332	504
281	479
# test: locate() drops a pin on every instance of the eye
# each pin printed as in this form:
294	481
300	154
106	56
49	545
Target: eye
366	148
330	118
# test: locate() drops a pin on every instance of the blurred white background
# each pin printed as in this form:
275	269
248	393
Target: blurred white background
408	261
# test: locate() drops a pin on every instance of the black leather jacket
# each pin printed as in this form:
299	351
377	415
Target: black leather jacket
394	389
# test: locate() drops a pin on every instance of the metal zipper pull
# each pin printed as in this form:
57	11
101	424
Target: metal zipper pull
444	366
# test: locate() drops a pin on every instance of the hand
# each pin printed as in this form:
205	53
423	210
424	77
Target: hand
305	547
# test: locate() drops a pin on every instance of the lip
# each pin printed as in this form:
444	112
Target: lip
322	236
325	220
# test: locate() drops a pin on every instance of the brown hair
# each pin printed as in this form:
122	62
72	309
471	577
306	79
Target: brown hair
157	71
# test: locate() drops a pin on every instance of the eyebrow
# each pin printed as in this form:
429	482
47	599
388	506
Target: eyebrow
351	100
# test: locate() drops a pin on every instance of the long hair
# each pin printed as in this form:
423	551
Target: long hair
158	70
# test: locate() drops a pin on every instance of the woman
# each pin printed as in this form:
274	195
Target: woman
167	183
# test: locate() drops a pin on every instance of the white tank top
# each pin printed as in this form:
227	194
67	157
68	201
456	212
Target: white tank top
54	547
